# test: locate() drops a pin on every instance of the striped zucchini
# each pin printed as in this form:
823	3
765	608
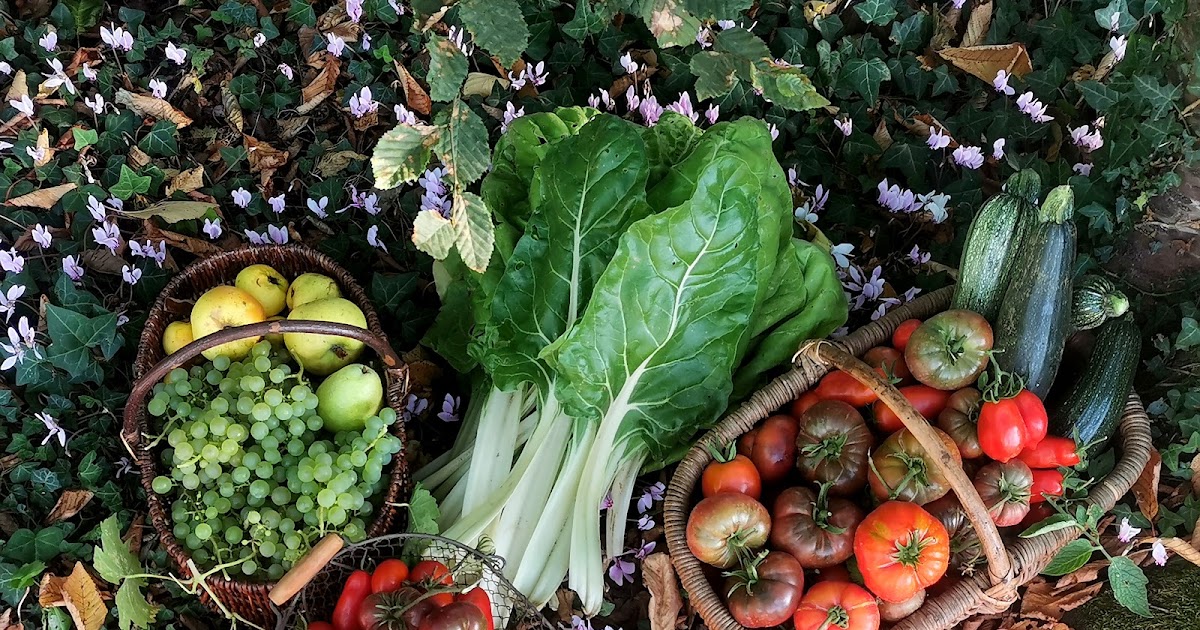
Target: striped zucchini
1095	300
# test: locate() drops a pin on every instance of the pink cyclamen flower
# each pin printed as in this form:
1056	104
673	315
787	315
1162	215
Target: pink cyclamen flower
11	261
1001	83
277	203
632	101
845	126
334	44
117	37
373	238
49	41
704	37
911	294
241	197
158	89
97	209
883	306
998	149
841	254
510	114
318	207
628	64
712	113
362	104
621	571
1118	45
645	523
37	153
1127	531
277	235
536	73
449	412
212	227
650	111
24	105
5	67
96	104
256	238
516	80
607	502
176	54
371	204
1114	21
404	115
108	235
934	203
456	36
54	430
646	549
396	6
917	256
286	71
1033	108
89	73
937	139
1099	123
1082	168
774	131
131	275
683	107
260	39
601	97
159	254
653	493
70	266
354	10
958	4
8	301
42	236
968	156
1159	552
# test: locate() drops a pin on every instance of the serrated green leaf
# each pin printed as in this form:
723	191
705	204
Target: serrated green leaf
84	137
447	68
433	234
1099	96
878	12
1189	334
746	48
910	157
1052	524
473	231
130	184
462	144
160	142
497	26
423	512
85	12
716	74
669	22
787	87
1129	585
1074	555
133	611
717	9
865	76
401	155
112	559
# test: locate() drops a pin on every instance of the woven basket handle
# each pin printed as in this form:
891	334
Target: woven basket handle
306	569
829	353
143	386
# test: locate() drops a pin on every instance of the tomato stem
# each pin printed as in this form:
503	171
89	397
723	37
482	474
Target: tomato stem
917	473
996	384
821	513
837	616
909	553
828	448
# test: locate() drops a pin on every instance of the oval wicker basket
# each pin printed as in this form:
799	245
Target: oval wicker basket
987	592
315	601
249	599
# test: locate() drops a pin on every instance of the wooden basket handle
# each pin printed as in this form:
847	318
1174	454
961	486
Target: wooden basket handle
1000	566
306	569
142	387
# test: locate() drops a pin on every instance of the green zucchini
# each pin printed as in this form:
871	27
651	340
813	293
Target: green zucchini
1092	410
992	241
1035	315
1095	300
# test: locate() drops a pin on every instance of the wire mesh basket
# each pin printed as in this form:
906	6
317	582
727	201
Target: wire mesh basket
469	567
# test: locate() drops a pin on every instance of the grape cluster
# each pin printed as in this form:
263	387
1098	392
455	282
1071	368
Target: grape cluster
254	478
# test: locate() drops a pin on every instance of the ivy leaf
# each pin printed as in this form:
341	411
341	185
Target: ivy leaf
717	9
160	142
447	69
715	73
462	144
1074	555
433	234
130	184
497	26
84	137
473	231
1129	585
944	82
911	33
85	12
132	608
112	559
423	512
1125	21
589	19
401	155
787	87
1189	334
878	12
910	158
1159	97
865	76
74	336
1099	96
301	12
669	22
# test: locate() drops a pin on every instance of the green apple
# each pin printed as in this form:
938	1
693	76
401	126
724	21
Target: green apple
310	287
267	286
348	397
225	307
325	354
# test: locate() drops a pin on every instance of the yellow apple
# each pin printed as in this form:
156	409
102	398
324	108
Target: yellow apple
348	397
267	286
176	336
325	354
310	287
225	307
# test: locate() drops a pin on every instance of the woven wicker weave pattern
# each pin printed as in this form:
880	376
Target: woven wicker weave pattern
245	598
1008	568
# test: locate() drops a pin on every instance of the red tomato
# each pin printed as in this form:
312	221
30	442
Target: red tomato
1004	488
1001	429
402	608
959	418
901	549
320	625
478	598
837	605
1047	482
774	450
929	402
736	474
1038	512
1051	452
838	385
835	573
430	573
356	590
806	400
746	442
890	361
1033	412
389	575
455	616
903	332
814	529
771	592
724	528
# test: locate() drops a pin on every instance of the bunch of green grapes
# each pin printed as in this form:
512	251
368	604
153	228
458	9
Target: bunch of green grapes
254	478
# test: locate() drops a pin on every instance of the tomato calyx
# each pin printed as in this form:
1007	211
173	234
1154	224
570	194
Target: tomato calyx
917	473
908	554
996	384
724	456
821	513
747	576
828	448
837	617
1011	491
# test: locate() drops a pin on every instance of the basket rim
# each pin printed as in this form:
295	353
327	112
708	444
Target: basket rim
984	592
240	595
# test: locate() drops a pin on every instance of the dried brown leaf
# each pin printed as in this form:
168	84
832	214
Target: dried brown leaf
44	198
194	246
153	107
665	602
233	109
1089	572
978	24
9	462
19	87
1044	601
1182	548
263	156
882	137
102	261
138	158
923	125
333	163
1031	624
482	83
43	143
83	599
946	29
8	623
90	56
1145	489
290	127
814	9
984	62
1085	72
70	503
186	181
322	85
50	591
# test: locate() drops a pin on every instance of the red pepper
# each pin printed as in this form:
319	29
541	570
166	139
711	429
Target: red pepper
1051	452
1045	483
345	614
478	598
1033	412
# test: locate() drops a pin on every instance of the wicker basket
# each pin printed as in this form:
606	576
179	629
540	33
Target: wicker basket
249	599
322	582
1008	568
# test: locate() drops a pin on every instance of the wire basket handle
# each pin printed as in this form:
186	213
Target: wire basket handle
1000	567
306	569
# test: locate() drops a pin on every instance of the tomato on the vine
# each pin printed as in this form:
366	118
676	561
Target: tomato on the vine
929	402
767	592
389	575
774	448
401	609
1046	483
833	605
904	332
1004	488
817	530
805	402
430	572
950	350
839	385
901	549
723	529
959	420
320	625
1002	433
730	472
832	446
902	469
890	361
1052	452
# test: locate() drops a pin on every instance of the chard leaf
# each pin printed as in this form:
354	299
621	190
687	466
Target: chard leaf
585	194
668	143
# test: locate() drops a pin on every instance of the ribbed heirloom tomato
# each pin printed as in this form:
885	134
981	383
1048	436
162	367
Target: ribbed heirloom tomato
832	447
959	420
817	530
950	350
836	605
725	528
902	469
1004	488
767	592
901	549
